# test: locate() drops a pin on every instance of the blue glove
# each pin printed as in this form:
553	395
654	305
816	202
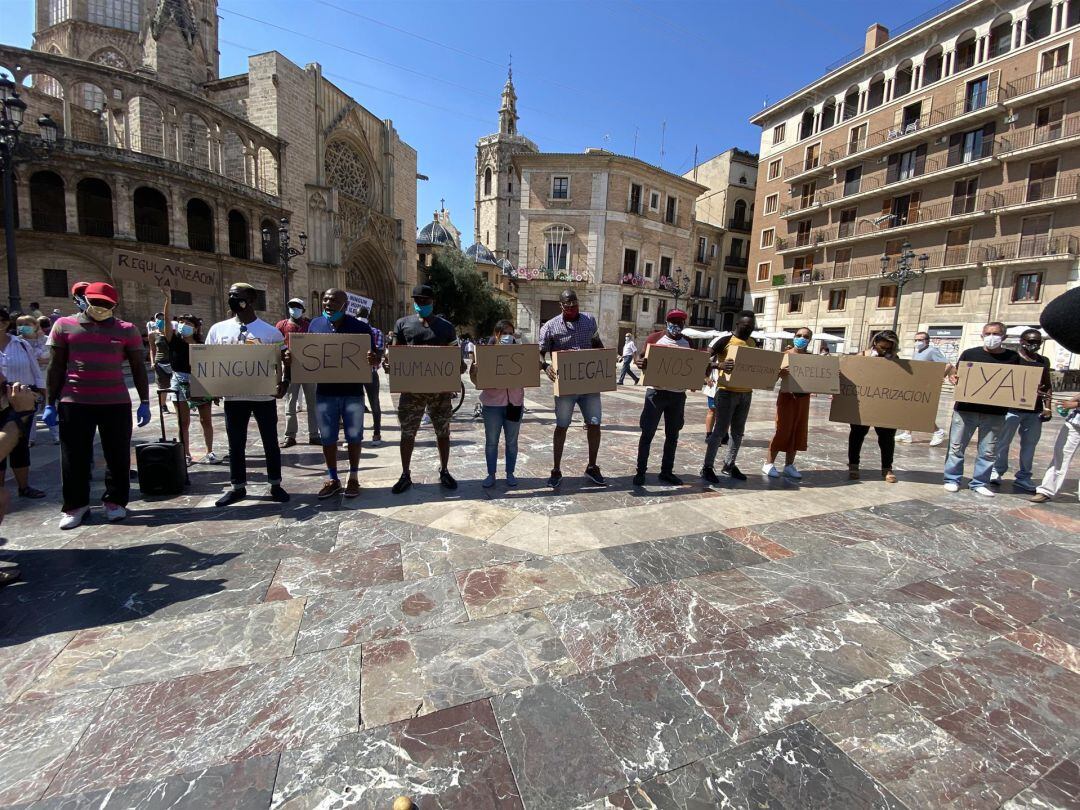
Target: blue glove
142	416
49	417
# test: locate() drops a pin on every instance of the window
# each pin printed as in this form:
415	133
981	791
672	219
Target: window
837	299
627	308
697	284
510	186
794	303
114	13
956	246
635	198
802	233
847	223
767	237
560	188
904	210
875	94
902	81
55	283
654	201
806	124
1000	39
644	305
260	300
857	139
951	292
911	118
772	202
1048	122
558	248
1034	235
487	181
886	296
1039	22
665	267
1054	66
672	210
736	250
661	310
813	157
1026	287
764	270
774	168
778	133
841	262
648	269
851	103
907	164
964	56
964	193
629	263
975	97
806	195
702	249
180	297
802	269
932	66
852	180
59	10
759	305
1042	180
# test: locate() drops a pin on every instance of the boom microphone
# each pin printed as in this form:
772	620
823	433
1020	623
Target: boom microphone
1061	320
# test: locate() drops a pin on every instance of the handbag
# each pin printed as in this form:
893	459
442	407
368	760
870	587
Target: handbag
513	412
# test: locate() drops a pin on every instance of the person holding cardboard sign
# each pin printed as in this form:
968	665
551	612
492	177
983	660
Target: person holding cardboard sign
503	408
340	403
792	418
665	403
883	345
572	329
732	404
1026	422
298	324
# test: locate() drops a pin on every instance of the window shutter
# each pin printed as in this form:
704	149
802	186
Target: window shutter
886	206
992	86
955	143
898	117
920	160
893	171
961	95
913	207
988	131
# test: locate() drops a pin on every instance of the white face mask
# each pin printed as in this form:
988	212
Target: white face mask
920	345
992	341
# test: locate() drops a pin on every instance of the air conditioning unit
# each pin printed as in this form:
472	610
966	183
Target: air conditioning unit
1012	119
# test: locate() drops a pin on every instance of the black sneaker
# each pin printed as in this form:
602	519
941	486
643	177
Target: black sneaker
594	475
734	472
710	476
231	496
447	480
554	479
278	493
670	478
639	479
402	484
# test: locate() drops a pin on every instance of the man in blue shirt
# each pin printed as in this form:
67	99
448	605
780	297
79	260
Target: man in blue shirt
340	403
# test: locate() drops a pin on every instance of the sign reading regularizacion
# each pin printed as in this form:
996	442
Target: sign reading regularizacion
154	271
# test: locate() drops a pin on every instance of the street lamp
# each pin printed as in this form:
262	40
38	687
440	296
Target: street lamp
285	252
12	111
905	271
680	286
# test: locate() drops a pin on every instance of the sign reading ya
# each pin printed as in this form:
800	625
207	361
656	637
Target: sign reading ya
234	370
513	366
1006	386
888	393
584	371
167	275
811	374
674	368
329	358
754	368
424	369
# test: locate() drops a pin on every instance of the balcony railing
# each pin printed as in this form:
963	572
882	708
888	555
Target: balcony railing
201	241
740	262
151	234
731	301
701	321
1043	78
96	226
1031	247
1031	191
744	225
962	154
51	221
809	164
802	203
1067	127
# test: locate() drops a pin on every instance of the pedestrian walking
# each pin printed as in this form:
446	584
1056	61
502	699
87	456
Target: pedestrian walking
883	345
629	351
792	418
662	403
1027	423
298	323
925	352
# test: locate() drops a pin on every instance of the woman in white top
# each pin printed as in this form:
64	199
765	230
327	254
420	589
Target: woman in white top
503	408
31	330
19	364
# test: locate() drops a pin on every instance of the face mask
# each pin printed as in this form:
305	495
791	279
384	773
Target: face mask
920	345
99	313
333	317
1031	348
423	310
992	341
80	303
160	325
237	304
570	313
26	331
296	313
506	340
674	330
186	330
801	342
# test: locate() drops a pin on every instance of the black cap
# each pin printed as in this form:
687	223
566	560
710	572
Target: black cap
423	291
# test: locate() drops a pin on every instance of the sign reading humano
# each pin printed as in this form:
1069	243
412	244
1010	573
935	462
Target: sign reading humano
154	271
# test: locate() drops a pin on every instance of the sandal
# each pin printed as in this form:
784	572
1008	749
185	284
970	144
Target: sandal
30	492
888	476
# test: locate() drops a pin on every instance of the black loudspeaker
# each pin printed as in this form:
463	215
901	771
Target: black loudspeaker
1061	320
161	465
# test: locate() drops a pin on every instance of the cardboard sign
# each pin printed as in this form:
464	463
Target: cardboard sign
357	303
811	374
754	368
329	358
425	369
888	393
998	384
513	366
585	371
165	274
235	370
674	368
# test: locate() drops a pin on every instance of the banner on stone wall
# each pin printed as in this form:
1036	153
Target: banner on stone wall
165	274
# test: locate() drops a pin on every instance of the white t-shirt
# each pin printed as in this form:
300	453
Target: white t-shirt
227	333
668	340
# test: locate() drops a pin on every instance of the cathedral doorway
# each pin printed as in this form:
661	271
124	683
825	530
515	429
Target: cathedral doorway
369	272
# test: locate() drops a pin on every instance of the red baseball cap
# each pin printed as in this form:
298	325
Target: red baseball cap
676	315
99	289
79	287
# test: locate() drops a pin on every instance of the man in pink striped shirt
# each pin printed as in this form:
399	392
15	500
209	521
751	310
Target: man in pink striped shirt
86	392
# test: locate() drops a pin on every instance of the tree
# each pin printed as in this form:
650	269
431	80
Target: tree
462	295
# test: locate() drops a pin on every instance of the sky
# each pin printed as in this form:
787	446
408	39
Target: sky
659	79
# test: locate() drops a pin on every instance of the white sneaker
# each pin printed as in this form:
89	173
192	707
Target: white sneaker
904	437
209	458
770	470
952	486
995	477
937	438
791	472
74	518
986	492
114	512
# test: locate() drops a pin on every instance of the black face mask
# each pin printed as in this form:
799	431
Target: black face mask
237	304
1032	348
744	331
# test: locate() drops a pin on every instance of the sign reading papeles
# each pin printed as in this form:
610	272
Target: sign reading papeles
425	369
329	358
754	368
234	370
585	371
811	374
674	368
516	365
1006	386
153	271
888	393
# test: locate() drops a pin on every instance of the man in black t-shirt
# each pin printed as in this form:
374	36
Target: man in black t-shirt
969	417
424	328
1025	422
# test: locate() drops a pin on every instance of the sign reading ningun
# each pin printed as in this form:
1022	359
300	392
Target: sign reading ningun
234	370
164	274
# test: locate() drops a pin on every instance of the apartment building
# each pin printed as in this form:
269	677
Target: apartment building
957	141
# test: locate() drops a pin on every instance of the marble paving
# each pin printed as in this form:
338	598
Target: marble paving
818	644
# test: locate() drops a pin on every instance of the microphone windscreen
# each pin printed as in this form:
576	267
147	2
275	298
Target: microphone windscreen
1061	320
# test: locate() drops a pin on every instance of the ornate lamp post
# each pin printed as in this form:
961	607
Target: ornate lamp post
680	286
12	110
905	271
285	252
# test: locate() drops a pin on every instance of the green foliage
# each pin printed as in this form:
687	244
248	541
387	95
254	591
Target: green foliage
462	295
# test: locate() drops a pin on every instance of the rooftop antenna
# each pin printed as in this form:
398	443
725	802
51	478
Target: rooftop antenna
663	134
510	67
695	162
635	141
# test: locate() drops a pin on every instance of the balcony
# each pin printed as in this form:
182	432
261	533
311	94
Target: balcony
701	258
808	167
731	302
1033	194
815	200
151	234
741	225
1044	82
736	262
96	226
706	323
1029	248
1023	143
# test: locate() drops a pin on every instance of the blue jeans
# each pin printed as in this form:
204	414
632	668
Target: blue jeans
334	411
588	404
1029	427
964	426
626	362
495	422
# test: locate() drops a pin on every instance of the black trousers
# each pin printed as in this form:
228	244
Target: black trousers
238	414
372	391
77	426
886	439
671	406
20	454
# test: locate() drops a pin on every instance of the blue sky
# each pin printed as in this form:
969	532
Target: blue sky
588	72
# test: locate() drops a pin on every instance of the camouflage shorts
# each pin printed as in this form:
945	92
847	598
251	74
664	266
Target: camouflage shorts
411	409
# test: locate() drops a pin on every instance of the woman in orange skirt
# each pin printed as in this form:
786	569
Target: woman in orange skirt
792	416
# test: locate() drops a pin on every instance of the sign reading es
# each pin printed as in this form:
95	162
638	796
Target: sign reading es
513	366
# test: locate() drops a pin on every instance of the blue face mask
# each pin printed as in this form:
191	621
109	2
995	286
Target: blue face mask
160	325
333	317
296	313
26	331
80	303
423	310
801	343
506	340
186	330
674	330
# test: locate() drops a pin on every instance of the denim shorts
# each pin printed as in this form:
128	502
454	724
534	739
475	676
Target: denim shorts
711	401
589	404
333	411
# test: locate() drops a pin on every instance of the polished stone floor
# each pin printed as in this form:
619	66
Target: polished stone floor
827	644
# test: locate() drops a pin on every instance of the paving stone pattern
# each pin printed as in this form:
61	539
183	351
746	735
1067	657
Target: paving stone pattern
821	644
